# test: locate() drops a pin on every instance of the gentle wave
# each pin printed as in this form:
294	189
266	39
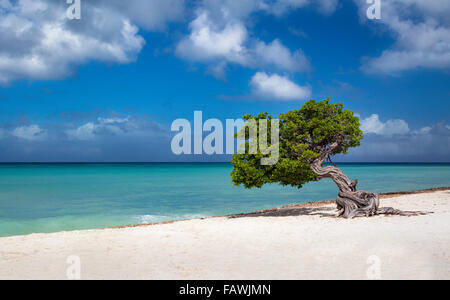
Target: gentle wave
149	219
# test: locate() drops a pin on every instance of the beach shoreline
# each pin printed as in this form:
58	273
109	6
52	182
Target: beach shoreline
301	241
268	210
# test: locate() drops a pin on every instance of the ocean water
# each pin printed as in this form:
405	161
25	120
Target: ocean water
37	198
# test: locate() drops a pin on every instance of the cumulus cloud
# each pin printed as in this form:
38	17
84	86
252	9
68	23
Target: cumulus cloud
84	132
394	141
207	41
38	41
210	42
277	55
104	137
219	36
30	133
276	87
421	30
373	124
150	15
423	130
428	144
105	126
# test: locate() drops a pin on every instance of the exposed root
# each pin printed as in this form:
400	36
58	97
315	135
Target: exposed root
350	202
396	212
357	204
365	204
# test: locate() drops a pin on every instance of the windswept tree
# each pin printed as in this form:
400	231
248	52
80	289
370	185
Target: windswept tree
308	138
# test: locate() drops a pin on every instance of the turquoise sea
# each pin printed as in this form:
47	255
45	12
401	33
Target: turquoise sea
37	198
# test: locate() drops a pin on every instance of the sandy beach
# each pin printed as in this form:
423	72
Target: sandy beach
295	242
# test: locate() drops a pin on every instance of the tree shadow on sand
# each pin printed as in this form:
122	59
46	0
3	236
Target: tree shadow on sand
291	212
328	208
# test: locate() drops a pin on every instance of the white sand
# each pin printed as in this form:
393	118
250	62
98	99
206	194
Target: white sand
293	247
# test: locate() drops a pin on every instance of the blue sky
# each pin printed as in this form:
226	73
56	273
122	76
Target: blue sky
108	86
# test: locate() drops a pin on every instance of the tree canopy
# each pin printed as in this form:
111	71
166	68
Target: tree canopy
304	134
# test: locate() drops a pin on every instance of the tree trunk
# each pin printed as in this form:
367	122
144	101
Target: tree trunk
350	202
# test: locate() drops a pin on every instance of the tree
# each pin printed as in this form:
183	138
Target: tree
309	137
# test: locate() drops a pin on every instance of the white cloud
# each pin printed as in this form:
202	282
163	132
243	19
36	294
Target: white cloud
104	126
277	55
103	138
38	41
421	29
151	15
219	44
113	120
207	41
423	130
280	7
31	133
278	87
84	132
373	124
425	145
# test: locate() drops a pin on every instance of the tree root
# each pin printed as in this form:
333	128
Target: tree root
396	212
365	204
350	202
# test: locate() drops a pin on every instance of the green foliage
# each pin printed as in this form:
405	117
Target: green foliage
304	134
